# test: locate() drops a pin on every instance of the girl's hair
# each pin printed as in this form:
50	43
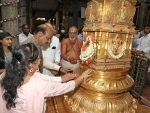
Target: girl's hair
2	54
22	56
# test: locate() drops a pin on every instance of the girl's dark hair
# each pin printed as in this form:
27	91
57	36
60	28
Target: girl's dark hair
22	56
2	54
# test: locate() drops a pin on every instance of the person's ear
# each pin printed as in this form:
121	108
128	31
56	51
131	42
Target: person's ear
40	33
31	68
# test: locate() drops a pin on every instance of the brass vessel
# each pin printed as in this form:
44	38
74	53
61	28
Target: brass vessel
110	21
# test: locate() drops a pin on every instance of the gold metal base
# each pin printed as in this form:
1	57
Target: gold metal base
58	106
102	93
81	103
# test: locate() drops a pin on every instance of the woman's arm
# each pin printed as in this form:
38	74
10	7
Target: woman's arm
55	89
83	76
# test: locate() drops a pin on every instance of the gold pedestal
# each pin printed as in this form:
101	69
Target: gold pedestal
58	106
106	91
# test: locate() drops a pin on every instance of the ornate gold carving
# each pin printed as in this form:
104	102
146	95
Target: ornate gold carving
93	11
110	15
122	16
112	60
85	102
109	85
110	47
105	66
106	91
107	12
116	47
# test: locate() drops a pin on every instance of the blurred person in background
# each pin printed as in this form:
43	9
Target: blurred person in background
25	33
80	34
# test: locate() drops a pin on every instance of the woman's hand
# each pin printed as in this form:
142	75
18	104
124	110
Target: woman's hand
67	77
86	73
83	76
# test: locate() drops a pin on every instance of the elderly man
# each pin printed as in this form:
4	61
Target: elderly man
25	33
52	52
42	36
70	49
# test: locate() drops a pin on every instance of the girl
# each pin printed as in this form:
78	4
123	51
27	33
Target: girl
5	50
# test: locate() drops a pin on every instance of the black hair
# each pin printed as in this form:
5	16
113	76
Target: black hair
22	56
147	26
62	36
24	25
62	27
2	54
136	27
40	28
80	30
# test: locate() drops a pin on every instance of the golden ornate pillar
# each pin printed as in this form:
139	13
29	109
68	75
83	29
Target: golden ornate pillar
106	91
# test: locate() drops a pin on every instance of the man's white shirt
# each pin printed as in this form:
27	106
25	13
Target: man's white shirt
144	44
51	53
23	37
135	40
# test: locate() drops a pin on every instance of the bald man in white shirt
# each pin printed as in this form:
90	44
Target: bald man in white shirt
52	53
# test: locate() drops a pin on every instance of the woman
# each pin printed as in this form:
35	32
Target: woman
5	50
22	89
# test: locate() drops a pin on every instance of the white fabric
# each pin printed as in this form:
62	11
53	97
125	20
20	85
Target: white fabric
80	37
51	53
51	78
144	45
135	40
50	65
67	64
23	37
